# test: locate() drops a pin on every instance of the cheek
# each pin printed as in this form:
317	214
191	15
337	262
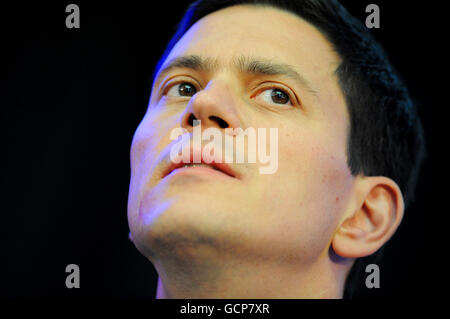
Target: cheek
305	198
315	162
151	136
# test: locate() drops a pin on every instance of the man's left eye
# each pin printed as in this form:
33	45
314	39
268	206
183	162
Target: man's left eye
276	96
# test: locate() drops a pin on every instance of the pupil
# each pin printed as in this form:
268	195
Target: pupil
186	89
279	97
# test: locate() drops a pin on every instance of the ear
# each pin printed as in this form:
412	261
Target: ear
375	218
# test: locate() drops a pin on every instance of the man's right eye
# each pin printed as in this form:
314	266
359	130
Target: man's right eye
182	89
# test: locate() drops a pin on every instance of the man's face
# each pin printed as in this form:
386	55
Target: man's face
288	216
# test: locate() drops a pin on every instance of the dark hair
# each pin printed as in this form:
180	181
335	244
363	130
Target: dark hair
385	135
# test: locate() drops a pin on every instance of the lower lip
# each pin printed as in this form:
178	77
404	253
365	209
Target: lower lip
199	170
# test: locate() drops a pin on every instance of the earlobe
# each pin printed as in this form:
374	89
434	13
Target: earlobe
376	218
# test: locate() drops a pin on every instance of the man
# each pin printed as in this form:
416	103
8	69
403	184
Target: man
349	146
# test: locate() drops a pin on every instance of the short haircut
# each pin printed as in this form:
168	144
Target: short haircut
385	136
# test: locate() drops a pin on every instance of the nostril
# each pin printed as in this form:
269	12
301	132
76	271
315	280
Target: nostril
192	120
219	121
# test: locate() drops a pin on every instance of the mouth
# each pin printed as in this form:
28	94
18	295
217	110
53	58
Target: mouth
216	168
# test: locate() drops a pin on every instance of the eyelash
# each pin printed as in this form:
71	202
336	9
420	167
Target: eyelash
291	102
292	98
169	86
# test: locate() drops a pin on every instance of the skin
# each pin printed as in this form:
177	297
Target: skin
291	234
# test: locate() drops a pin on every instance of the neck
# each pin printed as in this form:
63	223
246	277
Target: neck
323	279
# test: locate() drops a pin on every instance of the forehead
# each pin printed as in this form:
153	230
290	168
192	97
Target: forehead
249	30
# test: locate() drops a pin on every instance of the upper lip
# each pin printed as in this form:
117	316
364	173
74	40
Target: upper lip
223	167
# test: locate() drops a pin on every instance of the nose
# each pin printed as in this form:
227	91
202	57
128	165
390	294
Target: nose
214	106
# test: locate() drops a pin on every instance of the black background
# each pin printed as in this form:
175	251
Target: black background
71	101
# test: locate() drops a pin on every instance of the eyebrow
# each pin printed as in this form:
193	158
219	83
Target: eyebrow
244	64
